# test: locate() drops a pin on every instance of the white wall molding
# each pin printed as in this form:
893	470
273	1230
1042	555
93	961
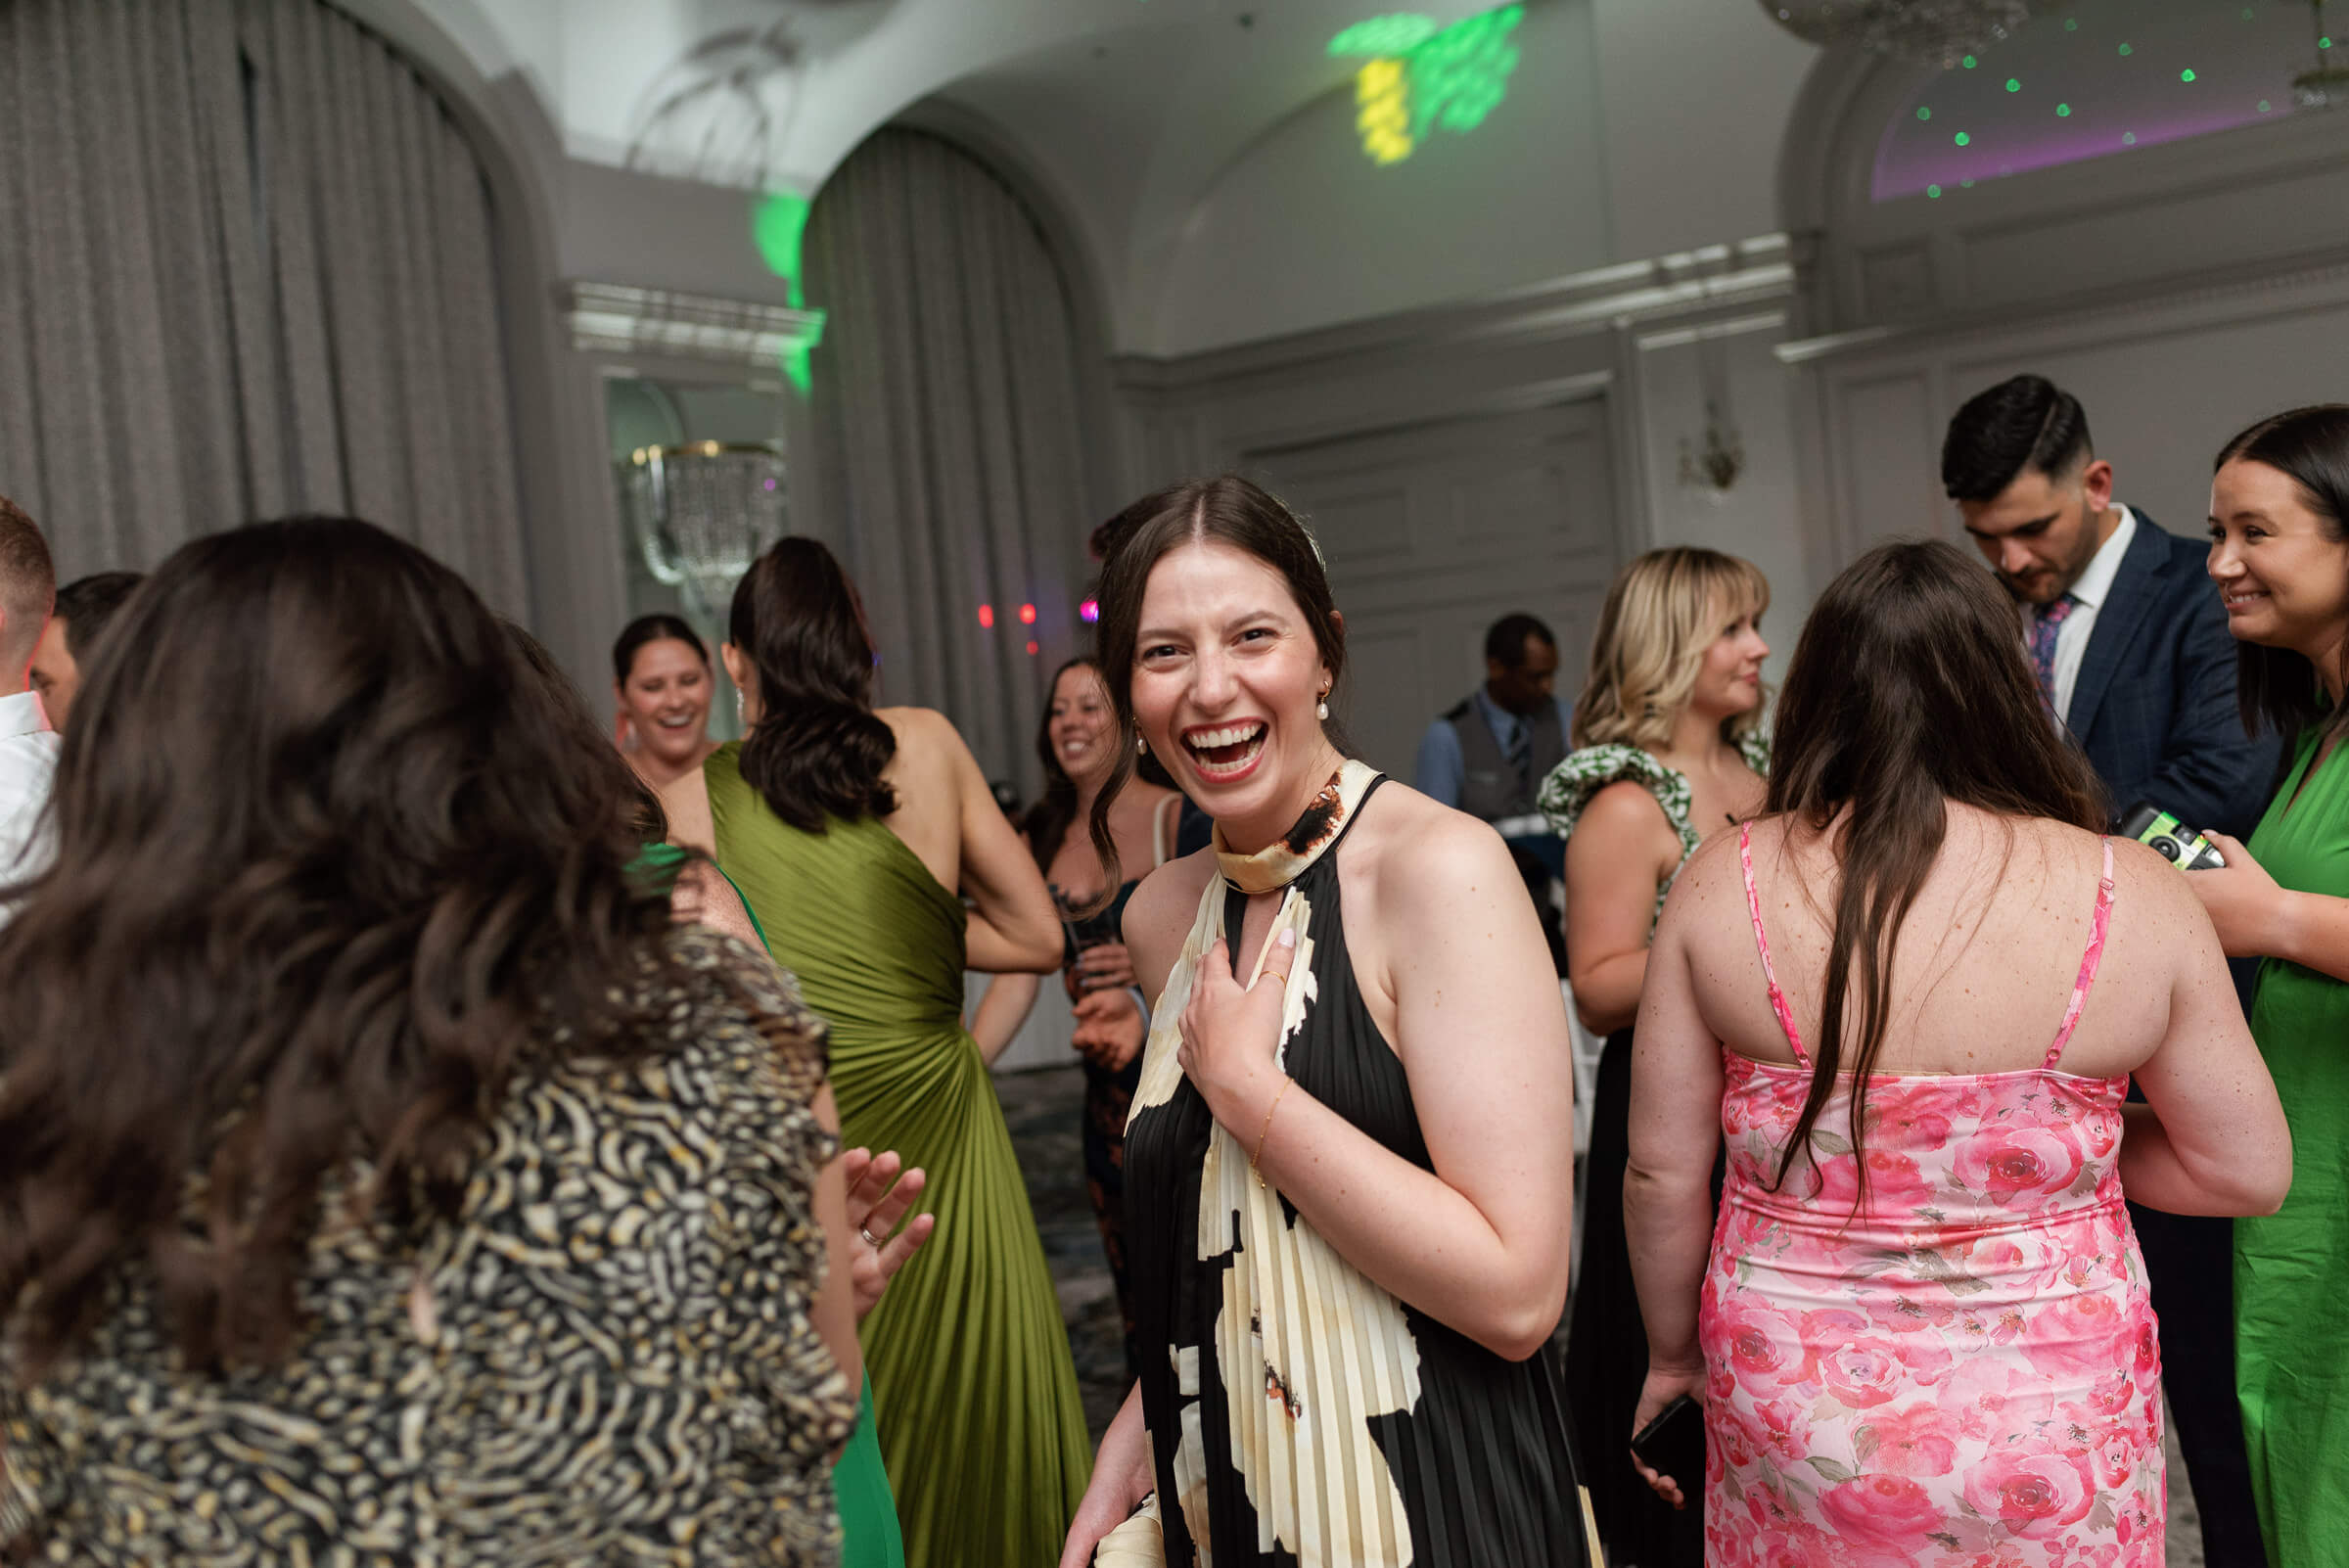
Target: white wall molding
609	318
1591	303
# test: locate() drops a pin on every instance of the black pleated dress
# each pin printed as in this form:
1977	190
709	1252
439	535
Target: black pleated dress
1298	1413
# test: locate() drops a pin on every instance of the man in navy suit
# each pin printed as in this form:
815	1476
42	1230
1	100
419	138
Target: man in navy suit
2131	648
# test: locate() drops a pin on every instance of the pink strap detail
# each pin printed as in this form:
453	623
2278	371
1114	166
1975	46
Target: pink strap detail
2098	924
1753	906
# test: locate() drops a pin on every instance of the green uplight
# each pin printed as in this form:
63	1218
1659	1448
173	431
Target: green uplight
2063	110
1924	114
2013	86
1423	75
2265	106
1933	191
2185	75
1965	185
1963	140
2128	138
2248	13
2324	43
2071	24
1967	62
2126	50
1384	36
779	228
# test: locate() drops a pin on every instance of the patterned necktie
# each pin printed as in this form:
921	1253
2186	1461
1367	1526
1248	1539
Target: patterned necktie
2045	625
1521	755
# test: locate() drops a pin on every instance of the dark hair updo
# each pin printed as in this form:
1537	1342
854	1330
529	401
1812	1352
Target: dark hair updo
1227	510
819	749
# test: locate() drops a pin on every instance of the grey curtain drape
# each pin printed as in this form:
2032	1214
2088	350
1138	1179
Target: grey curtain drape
245	269
948	415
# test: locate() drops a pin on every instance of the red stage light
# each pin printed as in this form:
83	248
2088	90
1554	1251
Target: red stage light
987	617
1027	615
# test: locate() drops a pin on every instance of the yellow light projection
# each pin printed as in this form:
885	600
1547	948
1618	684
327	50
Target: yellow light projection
1421	76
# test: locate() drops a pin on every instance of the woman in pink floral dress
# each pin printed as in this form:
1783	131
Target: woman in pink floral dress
1914	993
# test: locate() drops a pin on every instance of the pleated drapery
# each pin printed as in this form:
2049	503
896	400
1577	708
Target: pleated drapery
949	411
974	1392
247	268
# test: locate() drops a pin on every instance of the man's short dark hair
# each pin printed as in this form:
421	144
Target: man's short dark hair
2027	421
1504	643
27	584
86	604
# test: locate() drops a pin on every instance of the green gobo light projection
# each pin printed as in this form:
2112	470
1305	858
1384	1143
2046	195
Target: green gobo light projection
779	228
1422	76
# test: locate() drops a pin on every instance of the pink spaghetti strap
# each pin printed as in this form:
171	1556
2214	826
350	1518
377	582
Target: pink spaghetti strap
1752	908
2098	924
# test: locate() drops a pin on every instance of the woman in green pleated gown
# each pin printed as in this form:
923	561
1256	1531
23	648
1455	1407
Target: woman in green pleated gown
854	834
2280	554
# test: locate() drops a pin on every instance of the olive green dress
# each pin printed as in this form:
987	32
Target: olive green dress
2290	1266
980	1420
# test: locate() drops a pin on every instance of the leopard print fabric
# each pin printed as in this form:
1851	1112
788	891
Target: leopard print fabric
618	1365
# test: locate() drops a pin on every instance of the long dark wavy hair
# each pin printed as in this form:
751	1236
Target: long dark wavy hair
329	870
1228	509
1047	824
2274	686
1907	692
819	749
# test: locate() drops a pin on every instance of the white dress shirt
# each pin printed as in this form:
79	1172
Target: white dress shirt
2089	594
27	765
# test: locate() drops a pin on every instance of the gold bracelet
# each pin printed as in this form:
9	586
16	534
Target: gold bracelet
1266	1133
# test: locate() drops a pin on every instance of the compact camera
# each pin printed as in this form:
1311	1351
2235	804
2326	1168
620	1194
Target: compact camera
2171	839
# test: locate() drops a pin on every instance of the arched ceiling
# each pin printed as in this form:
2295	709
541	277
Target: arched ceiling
1157	125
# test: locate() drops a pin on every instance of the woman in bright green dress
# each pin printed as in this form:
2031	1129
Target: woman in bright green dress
855	836
2280	554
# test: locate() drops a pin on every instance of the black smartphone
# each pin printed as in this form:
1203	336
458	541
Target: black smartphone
1674	1445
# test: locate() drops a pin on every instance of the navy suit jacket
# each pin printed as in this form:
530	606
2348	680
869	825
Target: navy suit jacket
2155	706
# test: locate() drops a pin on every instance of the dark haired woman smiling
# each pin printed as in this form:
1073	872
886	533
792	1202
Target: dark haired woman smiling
378	1172
2279	555
852	833
1350	1164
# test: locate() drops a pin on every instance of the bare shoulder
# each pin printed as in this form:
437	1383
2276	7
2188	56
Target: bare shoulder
1623	807
1159	916
1169	896
1422	850
2141	879
922	729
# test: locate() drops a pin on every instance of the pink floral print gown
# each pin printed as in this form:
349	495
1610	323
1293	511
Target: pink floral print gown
1965	1371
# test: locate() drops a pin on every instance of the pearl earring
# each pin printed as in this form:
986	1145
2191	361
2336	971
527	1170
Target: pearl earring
1141	746
1322	709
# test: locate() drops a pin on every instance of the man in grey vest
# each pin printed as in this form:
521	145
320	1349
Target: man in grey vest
1488	754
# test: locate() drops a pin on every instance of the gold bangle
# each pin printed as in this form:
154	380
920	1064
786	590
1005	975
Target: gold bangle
1267	1131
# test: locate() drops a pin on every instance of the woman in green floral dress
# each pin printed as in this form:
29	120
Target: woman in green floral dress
1669	748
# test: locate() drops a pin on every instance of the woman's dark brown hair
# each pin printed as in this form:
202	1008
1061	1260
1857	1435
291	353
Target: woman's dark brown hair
2310	446
1047	822
1907	692
329	870
1227	510
819	749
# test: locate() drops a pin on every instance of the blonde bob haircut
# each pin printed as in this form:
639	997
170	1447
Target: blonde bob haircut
1665	609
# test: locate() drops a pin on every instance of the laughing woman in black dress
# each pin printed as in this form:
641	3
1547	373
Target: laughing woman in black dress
1349	1163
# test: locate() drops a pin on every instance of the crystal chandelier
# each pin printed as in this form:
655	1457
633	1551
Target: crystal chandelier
1941	31
701	514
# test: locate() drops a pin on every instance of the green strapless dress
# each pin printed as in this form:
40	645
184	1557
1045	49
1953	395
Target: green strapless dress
980	1424
868	1516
